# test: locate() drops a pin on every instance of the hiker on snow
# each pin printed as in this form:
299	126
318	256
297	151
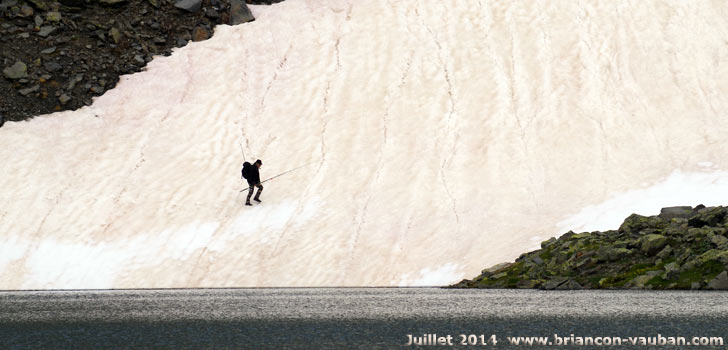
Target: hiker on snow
250	173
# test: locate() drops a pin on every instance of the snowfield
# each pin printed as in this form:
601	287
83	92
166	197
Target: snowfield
437	138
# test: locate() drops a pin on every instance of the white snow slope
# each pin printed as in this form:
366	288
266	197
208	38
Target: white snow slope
439	137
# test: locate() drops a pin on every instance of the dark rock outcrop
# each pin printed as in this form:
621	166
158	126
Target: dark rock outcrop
682	248
58	55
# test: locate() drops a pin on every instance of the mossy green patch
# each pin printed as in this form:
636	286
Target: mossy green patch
634	271
581	235
704	272
702	246
594	280
658	282
547	254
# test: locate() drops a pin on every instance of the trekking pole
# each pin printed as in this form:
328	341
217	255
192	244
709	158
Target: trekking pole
281	174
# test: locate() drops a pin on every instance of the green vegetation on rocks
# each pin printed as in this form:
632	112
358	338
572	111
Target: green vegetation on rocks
681	248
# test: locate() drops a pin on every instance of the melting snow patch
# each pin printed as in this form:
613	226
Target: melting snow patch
56	264
264	221
11	250
443	275
182	242
707	188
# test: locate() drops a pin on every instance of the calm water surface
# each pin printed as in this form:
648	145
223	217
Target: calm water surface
353	318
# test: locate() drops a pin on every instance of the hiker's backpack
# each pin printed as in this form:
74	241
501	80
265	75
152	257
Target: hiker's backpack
246	170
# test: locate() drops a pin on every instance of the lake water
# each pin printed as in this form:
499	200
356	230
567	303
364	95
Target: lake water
359	318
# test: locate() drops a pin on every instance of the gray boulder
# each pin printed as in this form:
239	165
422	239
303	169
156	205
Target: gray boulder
712	255
73	81
720	282
640	281
17	71
26	92
653	243
52	66
239	12
537	260
188	5
711	216
526	284
586	264
669	213
64	99
554	283
696	234
545	244
689	265
53	16
610	253
496	269
719	241
199	33
115	34
97	89
665	252
672	271
499	275
635	223
112	2
569	285
654	273
684	256
46	31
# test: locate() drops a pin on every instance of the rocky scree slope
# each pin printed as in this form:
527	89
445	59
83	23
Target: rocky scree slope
58	55
681	248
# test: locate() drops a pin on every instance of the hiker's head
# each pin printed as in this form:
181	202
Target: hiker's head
258	163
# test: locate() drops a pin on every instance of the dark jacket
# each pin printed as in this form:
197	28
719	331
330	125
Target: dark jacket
251	173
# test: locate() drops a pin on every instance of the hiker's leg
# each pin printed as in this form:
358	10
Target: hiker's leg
260	189
250	193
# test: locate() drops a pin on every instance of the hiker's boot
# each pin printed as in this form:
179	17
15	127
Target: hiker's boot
247	203
257	199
